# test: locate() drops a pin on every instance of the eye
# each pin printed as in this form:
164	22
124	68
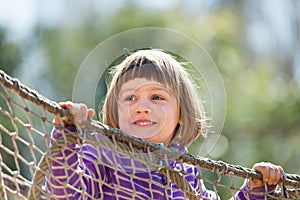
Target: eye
157	97
131	98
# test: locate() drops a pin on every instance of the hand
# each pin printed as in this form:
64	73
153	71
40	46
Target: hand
79	111
271	174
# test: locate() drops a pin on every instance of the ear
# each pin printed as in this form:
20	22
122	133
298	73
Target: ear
180	121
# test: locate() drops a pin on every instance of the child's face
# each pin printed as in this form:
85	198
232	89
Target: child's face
148	109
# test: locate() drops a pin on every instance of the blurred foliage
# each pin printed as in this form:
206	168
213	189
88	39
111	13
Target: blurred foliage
10	53
263	104
10	58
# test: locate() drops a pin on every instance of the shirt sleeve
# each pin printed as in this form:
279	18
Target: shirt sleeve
257	193
199	186
71	177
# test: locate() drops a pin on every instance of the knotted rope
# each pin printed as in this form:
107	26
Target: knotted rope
125	143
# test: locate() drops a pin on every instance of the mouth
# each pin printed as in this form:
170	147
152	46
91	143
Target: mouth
144	123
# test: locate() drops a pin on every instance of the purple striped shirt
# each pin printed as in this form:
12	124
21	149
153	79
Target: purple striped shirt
89	172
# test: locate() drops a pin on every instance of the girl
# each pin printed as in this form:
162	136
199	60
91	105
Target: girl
151	97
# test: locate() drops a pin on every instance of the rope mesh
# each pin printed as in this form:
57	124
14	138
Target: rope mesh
27	158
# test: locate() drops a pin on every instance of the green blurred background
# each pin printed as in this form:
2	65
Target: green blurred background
255	45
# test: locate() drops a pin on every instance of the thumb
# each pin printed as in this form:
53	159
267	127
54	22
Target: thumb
256	183
56	120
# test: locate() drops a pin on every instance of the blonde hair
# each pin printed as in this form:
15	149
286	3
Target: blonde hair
158	66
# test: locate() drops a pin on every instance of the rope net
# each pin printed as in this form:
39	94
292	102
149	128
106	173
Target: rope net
95	161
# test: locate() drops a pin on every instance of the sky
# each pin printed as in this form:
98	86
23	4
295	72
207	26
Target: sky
19	17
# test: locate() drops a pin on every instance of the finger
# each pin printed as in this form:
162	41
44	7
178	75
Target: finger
278	171
275	174
255	183
278	176
272	180
271	173
91	113
83	112
80	113
70	108
281	172
263	168
265	174
65	103
56	120
68	105
77	114
62	104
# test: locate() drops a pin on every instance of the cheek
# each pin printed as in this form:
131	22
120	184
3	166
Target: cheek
124	111
121	121
123	116
120	115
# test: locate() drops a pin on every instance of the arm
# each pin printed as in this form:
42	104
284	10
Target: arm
255	193
271	175
59	175
64	179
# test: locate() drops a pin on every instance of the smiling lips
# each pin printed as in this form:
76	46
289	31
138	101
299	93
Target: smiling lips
144	123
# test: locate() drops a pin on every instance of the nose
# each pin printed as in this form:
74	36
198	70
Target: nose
143	107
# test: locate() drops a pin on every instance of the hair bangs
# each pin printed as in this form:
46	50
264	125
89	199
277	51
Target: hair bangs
144	68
